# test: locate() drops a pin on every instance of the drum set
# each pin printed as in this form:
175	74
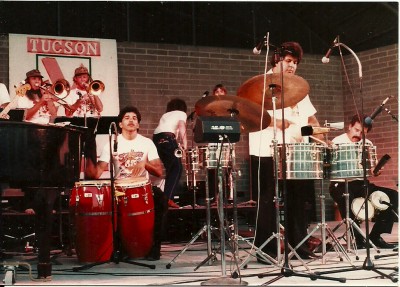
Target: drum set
91	214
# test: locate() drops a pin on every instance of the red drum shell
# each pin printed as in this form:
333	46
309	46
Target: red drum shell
90	209
136	217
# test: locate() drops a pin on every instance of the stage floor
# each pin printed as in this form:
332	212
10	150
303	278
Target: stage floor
182	273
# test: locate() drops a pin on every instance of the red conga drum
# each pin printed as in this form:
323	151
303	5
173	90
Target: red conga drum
91	212
135	215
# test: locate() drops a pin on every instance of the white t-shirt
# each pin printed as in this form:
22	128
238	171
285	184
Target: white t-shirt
87	107
42	116
169	122
130	152
260	142
4	96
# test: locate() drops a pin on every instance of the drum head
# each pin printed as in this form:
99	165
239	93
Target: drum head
131	181
358	208
377	197
92	183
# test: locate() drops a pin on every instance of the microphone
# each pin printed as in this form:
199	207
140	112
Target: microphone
79	94
370	119
257	49
325	59
205	94
309	130
113	124
380	164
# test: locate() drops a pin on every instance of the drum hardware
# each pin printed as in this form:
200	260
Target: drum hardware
115	256
351	225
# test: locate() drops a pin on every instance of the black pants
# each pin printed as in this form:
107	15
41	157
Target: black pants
160	214
383	220
298	193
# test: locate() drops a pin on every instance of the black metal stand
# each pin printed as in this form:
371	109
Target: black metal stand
368	264
116	255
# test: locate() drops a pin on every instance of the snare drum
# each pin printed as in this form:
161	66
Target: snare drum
91	211
347	160
303	161
136	215
358	208
212	155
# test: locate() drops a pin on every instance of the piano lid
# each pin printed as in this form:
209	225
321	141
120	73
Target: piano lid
40	155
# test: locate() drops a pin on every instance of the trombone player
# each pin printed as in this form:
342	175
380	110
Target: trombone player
83	100
38	101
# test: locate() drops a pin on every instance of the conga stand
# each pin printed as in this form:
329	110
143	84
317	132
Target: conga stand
368	264
116	254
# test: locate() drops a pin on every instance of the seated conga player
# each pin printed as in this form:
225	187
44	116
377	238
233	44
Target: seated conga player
135	156
385	218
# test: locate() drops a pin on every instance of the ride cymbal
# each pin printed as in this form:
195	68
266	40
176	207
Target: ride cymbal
245	111
295	89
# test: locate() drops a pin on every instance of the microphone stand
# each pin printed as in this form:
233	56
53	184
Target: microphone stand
115	255
368	264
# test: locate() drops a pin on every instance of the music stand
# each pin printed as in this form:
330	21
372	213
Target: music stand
16	115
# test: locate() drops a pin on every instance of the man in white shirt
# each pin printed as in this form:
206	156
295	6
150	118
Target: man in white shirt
385	218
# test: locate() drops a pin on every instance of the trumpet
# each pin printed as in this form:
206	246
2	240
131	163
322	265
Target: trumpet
95	87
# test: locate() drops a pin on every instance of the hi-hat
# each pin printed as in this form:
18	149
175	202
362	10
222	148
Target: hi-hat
245	111
295	89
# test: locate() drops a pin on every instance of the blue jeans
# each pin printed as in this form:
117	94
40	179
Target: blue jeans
166	145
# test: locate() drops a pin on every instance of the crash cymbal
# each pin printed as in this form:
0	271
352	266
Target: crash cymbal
245	111
295	89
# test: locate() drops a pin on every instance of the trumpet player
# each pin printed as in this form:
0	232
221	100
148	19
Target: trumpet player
39	103
82	101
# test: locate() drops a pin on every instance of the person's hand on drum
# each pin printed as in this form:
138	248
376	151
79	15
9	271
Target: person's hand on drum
138	169
281	124
29	211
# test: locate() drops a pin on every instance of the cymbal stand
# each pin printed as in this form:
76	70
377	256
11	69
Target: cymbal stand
206	228
223	280
115	255
287	270
351	225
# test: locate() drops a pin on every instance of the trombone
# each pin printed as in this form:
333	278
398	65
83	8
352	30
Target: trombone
60	89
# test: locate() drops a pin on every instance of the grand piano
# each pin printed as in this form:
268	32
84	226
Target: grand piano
46	158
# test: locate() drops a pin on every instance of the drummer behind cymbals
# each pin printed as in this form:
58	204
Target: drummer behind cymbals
384	219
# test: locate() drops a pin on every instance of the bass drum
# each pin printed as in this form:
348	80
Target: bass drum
90	211
135	215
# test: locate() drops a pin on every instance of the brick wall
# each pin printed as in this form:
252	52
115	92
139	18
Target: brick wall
152	74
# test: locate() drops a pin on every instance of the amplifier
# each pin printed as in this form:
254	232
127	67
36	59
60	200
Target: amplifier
210	129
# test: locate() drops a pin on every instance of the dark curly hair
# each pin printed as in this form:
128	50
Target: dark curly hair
356	119
176	105
288	48
129	109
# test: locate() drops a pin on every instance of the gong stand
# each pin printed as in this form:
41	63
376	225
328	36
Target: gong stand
116	253
368	264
